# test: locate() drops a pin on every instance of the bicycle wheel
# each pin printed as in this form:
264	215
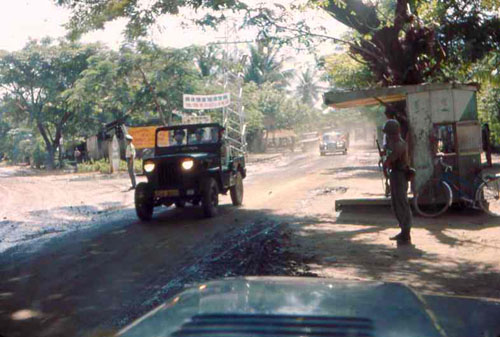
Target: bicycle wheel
488	197
433	199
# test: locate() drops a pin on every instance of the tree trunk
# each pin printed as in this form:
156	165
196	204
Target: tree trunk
60	157
51	153
155	99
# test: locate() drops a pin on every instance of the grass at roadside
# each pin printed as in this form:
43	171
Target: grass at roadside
103	166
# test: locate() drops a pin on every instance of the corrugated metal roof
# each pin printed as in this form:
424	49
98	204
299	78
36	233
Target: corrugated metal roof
351	99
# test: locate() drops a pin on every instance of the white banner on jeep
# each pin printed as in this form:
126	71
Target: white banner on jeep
203	102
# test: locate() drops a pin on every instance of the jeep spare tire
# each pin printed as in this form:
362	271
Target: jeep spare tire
237	190
210	197
144	201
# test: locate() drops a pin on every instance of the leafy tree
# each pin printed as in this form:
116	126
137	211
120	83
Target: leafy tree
489	109
142	82
487	70
38	80
167	74
208	59
399	46
343	72
400	41
89	15
102	91
468	31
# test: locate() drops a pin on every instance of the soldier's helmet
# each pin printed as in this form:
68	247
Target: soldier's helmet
391	127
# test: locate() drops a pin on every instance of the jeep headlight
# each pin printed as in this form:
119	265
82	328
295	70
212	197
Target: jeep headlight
149	166
187	164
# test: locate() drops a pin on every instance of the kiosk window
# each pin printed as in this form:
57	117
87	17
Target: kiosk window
444	138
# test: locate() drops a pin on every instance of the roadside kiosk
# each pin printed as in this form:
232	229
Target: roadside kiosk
443	128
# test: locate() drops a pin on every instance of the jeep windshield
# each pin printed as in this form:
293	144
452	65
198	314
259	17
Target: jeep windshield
185	136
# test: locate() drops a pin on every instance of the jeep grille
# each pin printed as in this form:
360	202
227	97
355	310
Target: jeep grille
169	174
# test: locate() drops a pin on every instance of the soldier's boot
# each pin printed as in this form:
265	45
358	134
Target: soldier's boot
403	237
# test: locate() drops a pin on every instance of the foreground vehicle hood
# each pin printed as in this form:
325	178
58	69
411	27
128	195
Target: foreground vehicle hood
296	307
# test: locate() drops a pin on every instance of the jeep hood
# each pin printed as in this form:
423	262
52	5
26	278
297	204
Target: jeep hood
198	155
272	306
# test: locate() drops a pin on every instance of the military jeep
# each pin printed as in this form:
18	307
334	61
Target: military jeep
191	164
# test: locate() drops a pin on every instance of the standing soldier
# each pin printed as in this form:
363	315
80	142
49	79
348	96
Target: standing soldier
398	163
130	156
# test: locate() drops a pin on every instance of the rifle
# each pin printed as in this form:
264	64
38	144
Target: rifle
386	174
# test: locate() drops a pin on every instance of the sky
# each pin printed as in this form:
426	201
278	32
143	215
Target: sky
21	20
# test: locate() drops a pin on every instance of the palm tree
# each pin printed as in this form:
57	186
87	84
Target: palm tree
207	59
308	89
265	66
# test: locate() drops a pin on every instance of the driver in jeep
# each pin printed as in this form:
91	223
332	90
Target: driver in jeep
198	136
179	137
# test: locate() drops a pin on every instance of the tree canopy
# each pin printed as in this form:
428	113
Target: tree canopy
54	92
39	81
51	89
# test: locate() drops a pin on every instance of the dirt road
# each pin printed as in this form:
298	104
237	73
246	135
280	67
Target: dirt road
108	269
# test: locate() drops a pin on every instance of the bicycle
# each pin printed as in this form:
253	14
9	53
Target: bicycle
436	196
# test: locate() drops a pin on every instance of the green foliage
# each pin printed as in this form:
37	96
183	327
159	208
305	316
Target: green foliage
17	145
265	66
208	59
38	81
276	111
487	70
253	114
38	154
91	14
489	110
20	146
4	128
401	41
69	90
343	72
308	88
137	166
103	166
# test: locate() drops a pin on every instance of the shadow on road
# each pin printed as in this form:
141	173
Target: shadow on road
358	243
371	172
98	283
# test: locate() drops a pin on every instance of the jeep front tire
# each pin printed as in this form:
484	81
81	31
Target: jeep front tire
210	197
144	201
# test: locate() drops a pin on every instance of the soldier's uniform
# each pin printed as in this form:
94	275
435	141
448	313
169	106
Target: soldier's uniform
398	163
130	156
